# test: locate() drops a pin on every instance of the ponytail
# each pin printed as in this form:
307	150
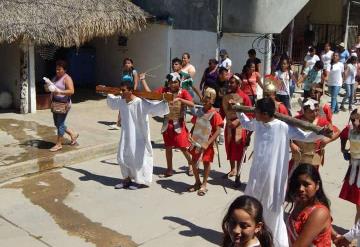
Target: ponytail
265	237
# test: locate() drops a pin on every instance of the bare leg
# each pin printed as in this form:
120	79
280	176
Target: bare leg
202	191
71	133
188	158
207	167
169	156
233	168
58	144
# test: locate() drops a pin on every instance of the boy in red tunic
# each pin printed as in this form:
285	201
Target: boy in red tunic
207	124
311	152
235	136
175	133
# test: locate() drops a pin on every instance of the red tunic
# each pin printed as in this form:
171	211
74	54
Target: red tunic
208	154
325	111
172	138
234	151
295	226
281	108
350	192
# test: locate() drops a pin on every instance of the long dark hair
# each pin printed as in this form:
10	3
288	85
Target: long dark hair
312	172
127	59
332	60
254	208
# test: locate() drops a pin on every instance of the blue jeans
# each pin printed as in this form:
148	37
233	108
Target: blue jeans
349	95
59	121
334	92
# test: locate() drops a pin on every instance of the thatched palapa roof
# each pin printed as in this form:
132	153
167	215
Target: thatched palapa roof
67	22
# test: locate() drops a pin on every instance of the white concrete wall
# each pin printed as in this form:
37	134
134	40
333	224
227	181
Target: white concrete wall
148	48
158	44
10	70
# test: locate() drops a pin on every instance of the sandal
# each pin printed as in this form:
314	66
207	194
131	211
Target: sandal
55	148
202	191
194	188
74	141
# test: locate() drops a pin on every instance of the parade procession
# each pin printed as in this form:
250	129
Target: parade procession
180	123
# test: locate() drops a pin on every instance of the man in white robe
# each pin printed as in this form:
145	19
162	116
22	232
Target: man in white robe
135	155
269	171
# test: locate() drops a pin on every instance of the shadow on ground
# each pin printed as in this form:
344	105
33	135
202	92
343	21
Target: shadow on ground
109	162
40	144
209	235
339	229
88	176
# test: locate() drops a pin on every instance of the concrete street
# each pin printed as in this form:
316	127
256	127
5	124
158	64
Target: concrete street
78	206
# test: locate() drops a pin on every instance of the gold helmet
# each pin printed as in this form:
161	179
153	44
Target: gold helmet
269	85
210	92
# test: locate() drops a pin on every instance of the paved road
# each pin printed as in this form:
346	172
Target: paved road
78	206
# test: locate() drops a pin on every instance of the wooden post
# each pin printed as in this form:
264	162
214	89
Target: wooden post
24	79
32	84
27	79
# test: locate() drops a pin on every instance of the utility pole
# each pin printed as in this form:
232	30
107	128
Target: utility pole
346	38
219	20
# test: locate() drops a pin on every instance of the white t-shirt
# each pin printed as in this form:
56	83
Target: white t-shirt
226	63
335	74
285	78
351	74
326	57
311	60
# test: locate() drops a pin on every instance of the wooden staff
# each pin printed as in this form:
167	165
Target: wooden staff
289	120
143	94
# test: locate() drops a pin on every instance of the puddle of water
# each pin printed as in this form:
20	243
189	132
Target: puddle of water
31	142
51	199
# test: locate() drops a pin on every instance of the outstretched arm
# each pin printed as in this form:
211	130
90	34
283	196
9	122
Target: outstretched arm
113	101
246	122
144	83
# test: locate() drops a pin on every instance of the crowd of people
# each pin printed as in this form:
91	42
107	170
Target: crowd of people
276	178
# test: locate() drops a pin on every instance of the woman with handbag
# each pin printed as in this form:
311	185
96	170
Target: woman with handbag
61	88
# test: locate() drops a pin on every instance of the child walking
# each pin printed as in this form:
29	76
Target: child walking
244	226
207	124
350	190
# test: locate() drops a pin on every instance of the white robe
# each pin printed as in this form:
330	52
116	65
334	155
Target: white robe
269	170
135	155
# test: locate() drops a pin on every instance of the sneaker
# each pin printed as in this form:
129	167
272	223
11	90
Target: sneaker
122	185
133	186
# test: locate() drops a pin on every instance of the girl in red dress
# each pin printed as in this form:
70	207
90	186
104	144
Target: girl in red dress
350	190
309	223
207	124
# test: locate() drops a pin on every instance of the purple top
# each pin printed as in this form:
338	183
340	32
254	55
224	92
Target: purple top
60	84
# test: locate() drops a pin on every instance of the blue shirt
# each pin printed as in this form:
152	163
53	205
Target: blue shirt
344	56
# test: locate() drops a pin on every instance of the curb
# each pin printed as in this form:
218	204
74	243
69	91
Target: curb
57	161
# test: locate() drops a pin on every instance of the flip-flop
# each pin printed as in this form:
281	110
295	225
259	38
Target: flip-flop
194	188
202	191
55	148
74	141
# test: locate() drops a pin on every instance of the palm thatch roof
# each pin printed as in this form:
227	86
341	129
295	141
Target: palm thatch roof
67	22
